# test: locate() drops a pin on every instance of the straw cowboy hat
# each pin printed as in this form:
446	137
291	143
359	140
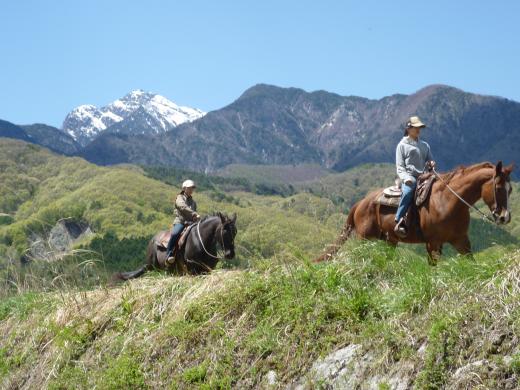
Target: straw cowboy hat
414	121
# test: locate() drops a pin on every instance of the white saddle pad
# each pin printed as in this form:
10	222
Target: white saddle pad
392	191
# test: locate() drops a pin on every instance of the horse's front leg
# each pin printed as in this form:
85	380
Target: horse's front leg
434	252
463	246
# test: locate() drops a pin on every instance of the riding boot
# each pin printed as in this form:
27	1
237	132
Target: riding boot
400	229
170	259
176	233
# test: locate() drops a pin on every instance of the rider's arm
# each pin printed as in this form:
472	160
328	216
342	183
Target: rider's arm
429	157
400	162
187	212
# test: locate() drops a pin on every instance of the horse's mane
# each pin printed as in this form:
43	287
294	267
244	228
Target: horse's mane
216	214
462	170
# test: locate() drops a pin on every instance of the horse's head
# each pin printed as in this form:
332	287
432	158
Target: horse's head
496	193
229	231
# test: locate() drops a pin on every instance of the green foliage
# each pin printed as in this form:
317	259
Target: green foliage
125	209
515	363
275	174
439	354
346	188
19	305
195	374
124	372
219	185
70	377
118	254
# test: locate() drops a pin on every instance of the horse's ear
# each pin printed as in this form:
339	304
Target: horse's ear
234	217
222	217
509	169
498	168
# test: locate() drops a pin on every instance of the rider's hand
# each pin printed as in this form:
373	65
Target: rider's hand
196	218
432	164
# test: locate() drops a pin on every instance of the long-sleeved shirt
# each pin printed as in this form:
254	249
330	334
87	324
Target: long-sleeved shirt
185	209
410	158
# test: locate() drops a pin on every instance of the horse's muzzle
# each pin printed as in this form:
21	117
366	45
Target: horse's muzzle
503	218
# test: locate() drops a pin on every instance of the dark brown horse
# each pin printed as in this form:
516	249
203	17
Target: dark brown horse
198	255
443	219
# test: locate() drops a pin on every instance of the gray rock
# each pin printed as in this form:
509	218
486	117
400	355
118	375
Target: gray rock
271	378
339	370
350	368
60	240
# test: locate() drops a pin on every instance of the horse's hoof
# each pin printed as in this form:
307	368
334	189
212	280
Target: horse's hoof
401	233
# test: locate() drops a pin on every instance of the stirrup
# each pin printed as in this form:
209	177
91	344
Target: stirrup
401	229
170	259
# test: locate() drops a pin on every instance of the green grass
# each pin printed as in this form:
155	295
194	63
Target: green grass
229	329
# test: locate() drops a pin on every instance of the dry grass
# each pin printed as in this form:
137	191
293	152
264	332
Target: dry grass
229	328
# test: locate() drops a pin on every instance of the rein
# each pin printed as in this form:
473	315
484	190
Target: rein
202	243
484	216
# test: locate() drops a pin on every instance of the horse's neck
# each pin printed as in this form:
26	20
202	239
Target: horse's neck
469	186
209	237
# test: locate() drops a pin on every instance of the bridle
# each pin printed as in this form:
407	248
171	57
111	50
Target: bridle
222	244
487	217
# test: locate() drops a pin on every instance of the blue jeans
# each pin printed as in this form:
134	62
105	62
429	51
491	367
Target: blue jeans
406	200
176	232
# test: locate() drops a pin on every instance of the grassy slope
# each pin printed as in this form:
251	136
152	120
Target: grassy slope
230	328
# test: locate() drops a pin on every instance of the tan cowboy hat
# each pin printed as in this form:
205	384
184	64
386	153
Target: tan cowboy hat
414	121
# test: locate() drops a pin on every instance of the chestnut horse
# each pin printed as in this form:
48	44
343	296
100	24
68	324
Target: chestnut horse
443	219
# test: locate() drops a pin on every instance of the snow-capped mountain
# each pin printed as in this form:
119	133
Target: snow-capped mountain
138	112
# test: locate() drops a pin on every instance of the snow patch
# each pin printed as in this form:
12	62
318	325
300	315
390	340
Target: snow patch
85	122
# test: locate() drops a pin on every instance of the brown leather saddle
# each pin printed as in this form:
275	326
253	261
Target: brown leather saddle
162	240
391	196
424	188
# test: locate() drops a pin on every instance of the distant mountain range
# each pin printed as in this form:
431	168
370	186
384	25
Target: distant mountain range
44	135
273	125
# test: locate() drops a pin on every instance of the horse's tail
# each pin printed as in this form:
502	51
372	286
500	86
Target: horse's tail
122	276
346	231
150	256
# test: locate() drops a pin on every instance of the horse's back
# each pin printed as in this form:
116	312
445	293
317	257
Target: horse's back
364	217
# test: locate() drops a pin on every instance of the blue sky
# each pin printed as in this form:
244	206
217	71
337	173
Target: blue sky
55	55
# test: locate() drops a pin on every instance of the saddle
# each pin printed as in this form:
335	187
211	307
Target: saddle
391	196
162	240
424	188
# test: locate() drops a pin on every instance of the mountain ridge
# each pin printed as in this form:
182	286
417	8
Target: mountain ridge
273	125
270	125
